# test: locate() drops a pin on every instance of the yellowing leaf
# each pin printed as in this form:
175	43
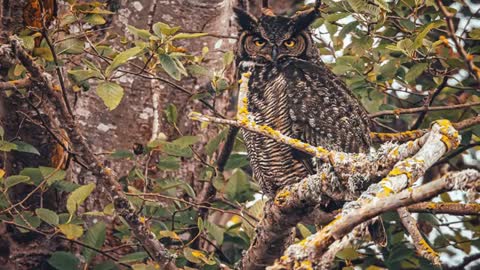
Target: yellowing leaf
2	173
189	35
169	234
71	231
110	93
78	196
196	256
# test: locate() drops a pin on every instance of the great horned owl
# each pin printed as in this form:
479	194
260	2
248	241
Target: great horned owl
292	91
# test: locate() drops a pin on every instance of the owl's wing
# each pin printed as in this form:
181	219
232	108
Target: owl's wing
324	112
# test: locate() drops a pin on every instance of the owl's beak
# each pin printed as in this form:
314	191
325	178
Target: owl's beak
274	53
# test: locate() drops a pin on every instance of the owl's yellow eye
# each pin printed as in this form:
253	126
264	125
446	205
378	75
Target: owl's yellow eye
259	42
289	43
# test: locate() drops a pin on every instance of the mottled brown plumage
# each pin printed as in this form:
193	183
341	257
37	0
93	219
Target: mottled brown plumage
292	91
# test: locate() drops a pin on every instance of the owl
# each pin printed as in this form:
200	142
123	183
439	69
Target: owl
292	91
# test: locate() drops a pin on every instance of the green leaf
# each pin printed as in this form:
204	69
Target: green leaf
141	33
47	215
348	253
186	141
415	71
304	231
98	10
95	19
405	45
196	256
107	265
26	148
238	186
95	237
44	53
197	70
169	163
214	143
28	42
62	260
52	175
71	231
169	184
122	58
337	16
122	154
27	219
70	46
421	36
160	29
236	161
189	35
133	257
79	75
110	93
215	231
15	180
66	186
228	58
171	113
170	66
171	148
78	197
475	33
7	146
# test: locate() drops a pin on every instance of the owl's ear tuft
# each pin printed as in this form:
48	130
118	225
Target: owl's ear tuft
246	21
304	19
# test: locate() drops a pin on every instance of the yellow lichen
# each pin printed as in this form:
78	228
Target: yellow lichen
427	247
306	265
281	197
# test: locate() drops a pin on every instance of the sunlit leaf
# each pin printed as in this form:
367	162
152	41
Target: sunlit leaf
78	196
71	231
189	35
122	58
110	93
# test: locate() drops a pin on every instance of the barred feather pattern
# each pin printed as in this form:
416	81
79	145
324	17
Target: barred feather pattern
305	101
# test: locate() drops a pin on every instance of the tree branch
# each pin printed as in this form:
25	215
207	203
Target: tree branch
450	208
423	109
422	247
312	248
451	33
104	175
16	84
442	138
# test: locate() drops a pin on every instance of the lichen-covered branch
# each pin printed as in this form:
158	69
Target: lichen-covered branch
369	167
451	208
310	250
442	138
82	151
422	247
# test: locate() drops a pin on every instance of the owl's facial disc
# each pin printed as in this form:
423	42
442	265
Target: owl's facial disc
271	38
